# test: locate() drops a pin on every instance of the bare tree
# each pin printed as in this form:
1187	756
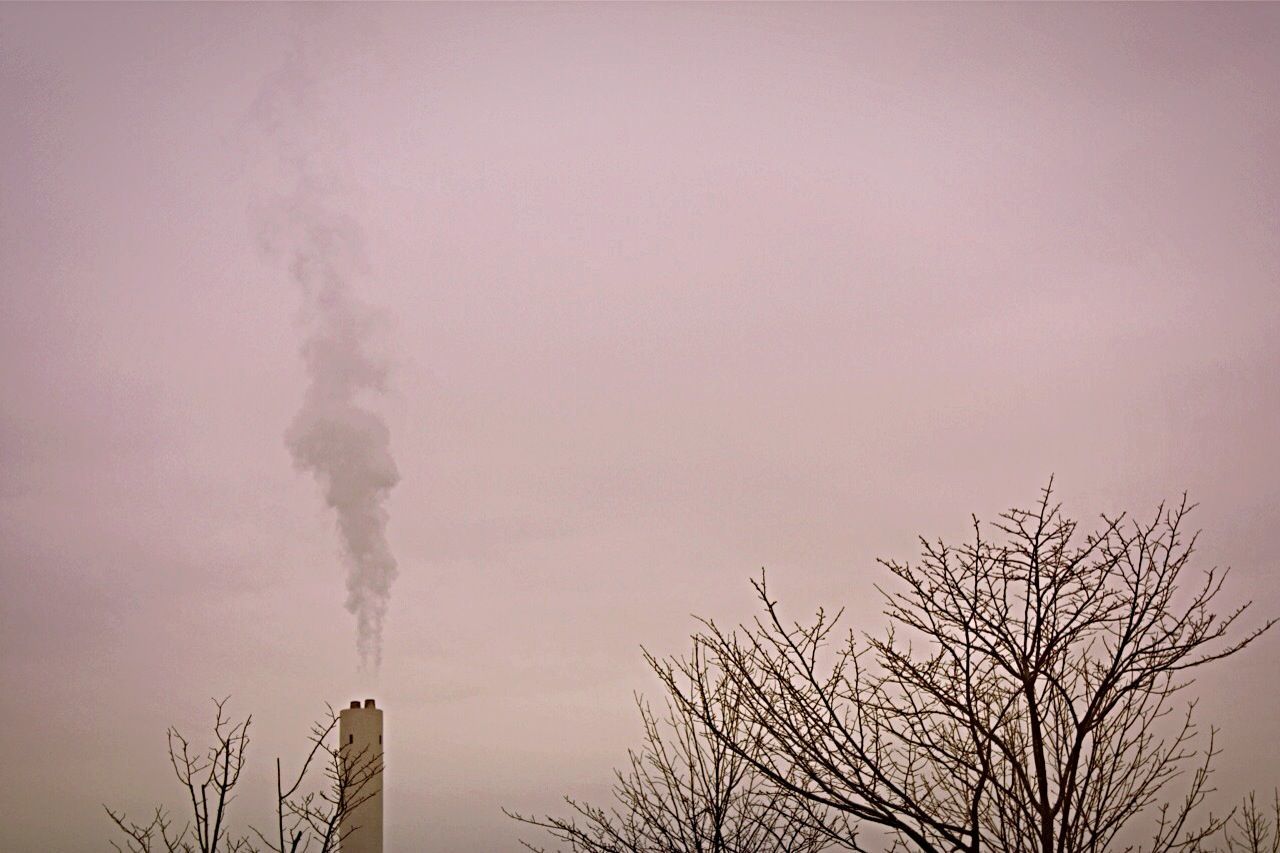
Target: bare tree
1023	699
304	821
684	791
1255	829
209	777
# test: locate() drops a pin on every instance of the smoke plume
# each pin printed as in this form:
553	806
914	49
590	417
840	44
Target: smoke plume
296	161
336	435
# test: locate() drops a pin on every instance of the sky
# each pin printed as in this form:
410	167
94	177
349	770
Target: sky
662	294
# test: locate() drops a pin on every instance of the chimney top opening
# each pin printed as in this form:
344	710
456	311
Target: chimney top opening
355	703
368	703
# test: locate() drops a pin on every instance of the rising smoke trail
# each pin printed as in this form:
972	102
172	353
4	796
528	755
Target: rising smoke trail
336	436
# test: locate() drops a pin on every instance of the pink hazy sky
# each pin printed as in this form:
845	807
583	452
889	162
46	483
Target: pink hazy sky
671	293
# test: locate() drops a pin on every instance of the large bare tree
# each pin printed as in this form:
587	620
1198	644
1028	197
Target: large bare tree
307	821
1027	696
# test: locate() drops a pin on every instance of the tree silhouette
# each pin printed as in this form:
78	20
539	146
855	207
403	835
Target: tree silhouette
305	820
1025	697
685	791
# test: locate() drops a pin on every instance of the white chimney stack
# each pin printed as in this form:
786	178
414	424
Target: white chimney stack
360	738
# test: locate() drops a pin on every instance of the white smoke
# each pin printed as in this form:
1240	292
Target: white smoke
336	435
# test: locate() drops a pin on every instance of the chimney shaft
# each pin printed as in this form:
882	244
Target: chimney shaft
360	739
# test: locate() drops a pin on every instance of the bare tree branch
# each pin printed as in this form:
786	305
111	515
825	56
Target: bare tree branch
686	792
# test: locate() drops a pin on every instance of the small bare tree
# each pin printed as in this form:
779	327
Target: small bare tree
304	821
319	818
1023	699
209	777
1256	828
684	791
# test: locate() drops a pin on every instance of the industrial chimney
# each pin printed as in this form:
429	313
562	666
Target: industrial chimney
360	739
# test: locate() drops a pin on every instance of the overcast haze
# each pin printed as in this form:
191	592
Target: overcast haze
666	294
